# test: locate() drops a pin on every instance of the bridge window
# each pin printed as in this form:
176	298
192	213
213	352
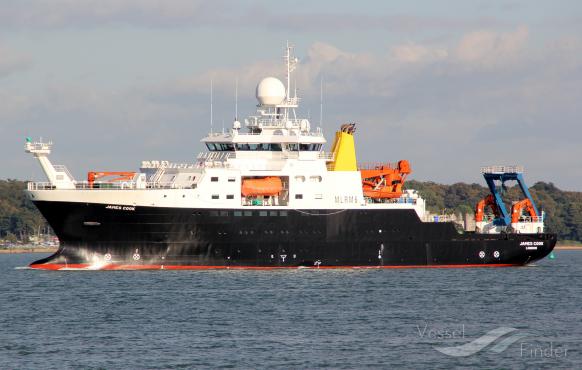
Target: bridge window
264	147
220	147
230	196
215	196
214	179
310	147
298	196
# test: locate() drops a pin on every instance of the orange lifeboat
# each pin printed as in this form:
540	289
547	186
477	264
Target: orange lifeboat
266	186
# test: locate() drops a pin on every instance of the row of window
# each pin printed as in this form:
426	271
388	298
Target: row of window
215	179
231	196
228	196
311	178
272	147
297	178
247	213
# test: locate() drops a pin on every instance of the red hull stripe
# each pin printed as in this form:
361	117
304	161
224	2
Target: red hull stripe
83	266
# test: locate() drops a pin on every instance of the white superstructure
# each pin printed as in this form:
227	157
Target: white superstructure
274	143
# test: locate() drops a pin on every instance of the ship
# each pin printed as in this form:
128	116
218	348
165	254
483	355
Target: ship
266	195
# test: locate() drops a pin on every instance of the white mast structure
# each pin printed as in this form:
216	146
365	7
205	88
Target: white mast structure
58	176
277	102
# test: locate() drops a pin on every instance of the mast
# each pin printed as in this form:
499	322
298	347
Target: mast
288	62
291	63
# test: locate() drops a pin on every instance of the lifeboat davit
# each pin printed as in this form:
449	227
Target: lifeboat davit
266	186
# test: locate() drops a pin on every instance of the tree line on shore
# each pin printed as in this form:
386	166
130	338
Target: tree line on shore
563	209
19	219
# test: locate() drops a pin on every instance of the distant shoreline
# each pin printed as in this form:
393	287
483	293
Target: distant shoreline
568	247
27	250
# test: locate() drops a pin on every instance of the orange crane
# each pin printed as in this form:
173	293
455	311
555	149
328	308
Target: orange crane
518	207
385	181
121	176
485	202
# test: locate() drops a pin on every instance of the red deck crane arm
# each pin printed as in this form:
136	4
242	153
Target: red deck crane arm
120	176
518	207
488	201
385	181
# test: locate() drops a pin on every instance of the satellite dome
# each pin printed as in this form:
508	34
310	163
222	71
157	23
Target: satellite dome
270	91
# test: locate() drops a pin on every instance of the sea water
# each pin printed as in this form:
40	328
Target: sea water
524	317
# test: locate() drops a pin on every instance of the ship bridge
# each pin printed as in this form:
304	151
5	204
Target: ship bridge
273	133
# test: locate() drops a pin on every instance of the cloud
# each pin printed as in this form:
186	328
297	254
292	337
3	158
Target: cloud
446	107
54	14
414	53
12	61
96	13
490	48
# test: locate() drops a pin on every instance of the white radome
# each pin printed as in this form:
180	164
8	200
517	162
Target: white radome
270	91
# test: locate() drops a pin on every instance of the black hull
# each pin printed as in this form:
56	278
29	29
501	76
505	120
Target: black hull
102	237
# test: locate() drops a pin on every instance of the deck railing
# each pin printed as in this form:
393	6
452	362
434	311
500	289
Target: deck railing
125	185
502	169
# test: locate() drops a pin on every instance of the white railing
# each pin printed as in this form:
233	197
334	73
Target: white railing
125	185
38	146
213	164
328	156
376	165
222	156
392	200
63	169
439	218
219	134
216	156
530	219
165	164
502	169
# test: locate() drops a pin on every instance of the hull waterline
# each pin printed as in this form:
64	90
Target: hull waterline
94	237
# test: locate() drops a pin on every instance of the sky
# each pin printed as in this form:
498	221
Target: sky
449	85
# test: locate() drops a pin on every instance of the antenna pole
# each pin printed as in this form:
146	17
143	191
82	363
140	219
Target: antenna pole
321	102
211	101
236	99
288	60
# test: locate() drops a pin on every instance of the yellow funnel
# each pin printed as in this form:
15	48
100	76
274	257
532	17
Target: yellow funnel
344	151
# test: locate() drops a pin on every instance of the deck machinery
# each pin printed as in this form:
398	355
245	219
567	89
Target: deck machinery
524	216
